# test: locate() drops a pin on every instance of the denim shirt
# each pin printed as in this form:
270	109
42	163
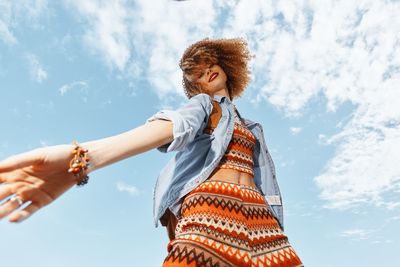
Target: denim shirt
199	153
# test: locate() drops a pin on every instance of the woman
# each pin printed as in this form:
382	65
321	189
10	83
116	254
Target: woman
218	196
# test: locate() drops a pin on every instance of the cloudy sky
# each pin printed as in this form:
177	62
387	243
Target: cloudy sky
325	87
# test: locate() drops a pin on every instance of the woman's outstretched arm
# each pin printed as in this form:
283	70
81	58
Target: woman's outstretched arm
41	175
138	140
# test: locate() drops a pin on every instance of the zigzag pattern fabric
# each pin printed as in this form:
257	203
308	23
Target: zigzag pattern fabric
239	154
225	224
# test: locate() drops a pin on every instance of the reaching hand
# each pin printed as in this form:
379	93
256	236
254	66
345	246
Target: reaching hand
38	176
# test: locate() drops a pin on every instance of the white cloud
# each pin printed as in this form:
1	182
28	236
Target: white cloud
155	34
13	13
6	35
345	52
372	236
387	241
36	70
357	234
107	33
393	218
81	85
295	130
5	20
342	51
132	190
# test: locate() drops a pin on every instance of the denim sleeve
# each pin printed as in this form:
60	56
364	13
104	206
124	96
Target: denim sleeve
187	121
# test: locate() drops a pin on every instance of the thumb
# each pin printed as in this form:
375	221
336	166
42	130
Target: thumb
20	160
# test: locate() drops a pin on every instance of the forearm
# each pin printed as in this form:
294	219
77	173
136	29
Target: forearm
103	152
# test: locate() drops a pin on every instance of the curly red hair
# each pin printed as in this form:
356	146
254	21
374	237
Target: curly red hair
231	54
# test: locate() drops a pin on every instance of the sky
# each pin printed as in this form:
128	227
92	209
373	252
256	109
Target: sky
325	78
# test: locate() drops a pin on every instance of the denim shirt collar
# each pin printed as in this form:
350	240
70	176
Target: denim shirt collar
221	98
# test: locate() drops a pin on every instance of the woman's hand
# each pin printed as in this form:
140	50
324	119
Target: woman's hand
39	176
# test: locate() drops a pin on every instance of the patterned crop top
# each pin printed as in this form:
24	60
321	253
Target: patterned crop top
239	154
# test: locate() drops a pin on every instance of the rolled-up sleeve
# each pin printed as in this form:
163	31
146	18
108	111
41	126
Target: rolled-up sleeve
187	121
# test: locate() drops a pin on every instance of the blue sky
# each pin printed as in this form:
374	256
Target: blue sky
325	84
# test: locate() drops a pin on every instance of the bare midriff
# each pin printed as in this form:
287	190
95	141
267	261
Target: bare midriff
233	176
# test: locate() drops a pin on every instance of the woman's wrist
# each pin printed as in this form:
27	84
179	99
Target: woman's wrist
106	151
96	153
79	164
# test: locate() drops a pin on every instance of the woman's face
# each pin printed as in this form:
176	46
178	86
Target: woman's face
211	79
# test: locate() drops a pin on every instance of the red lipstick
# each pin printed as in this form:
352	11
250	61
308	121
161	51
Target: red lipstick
213	76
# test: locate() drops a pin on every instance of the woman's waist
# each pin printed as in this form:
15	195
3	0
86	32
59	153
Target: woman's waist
233	176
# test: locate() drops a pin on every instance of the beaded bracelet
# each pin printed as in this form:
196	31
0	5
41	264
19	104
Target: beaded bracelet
79	164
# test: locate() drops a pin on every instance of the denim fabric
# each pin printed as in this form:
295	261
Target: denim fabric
198	154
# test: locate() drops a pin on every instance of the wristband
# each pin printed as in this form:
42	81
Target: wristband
79	164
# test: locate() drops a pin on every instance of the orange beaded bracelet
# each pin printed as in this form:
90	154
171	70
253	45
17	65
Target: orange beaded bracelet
79	164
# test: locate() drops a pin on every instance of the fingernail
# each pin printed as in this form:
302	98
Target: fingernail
21	218
16	219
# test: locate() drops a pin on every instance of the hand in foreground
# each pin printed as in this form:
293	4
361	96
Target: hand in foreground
38	176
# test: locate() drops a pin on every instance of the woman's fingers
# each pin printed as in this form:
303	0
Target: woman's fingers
38	199
19	161
24	192
5	191
8	207
21	215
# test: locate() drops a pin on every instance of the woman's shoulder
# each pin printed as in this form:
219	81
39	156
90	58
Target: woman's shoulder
200	100
252	124
200	104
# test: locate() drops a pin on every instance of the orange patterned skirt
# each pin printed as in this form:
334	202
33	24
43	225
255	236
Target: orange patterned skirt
225	224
